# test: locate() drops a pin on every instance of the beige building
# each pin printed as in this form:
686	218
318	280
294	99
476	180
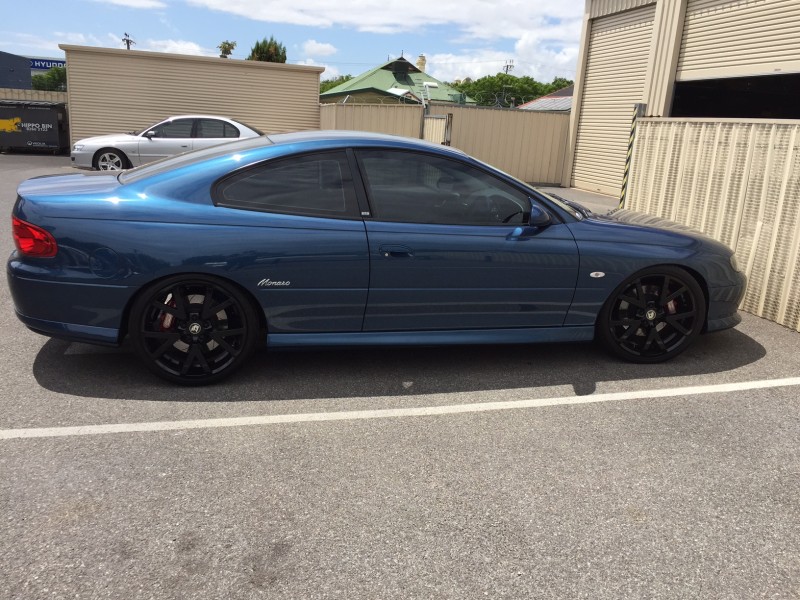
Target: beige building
112	91
734	59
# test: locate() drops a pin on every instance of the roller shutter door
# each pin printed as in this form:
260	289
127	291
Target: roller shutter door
737	38
615	77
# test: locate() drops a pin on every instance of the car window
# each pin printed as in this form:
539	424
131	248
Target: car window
179	128
214	128
314	185
257	131
415	187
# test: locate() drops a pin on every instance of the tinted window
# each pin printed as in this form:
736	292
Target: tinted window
420	188
212	128
179	128
316	185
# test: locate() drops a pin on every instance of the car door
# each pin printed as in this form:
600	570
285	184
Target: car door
307	256
450	248
210	132
166	139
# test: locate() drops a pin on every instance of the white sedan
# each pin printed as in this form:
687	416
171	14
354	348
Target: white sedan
175	135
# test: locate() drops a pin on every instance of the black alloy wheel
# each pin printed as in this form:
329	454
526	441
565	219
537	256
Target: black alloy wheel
653	316
193	331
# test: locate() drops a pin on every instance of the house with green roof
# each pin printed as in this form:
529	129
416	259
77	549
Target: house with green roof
397	81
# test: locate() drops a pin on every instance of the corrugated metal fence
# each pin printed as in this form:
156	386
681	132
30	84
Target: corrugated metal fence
738	181
394	119
112	90
530	145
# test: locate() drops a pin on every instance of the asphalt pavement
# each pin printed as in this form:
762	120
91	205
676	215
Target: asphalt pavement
550	471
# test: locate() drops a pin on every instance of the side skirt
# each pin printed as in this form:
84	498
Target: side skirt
431	338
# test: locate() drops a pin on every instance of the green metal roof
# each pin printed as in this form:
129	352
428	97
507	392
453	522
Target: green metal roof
399	78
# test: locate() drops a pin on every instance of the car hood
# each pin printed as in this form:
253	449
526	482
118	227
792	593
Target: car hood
631	217
108	140
643	229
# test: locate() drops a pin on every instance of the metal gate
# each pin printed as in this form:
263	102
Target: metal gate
437	128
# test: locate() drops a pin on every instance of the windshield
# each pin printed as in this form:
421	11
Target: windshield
573	208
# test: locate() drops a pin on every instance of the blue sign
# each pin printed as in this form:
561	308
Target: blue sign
45	64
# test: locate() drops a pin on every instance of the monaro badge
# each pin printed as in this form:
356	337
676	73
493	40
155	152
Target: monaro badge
271	283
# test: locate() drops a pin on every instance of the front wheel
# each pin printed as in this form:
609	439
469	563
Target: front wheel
110	159
193	330
653	316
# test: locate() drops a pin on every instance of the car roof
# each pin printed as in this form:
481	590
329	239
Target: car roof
300	141
198	117
347	137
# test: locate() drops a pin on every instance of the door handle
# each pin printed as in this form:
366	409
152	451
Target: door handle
396	251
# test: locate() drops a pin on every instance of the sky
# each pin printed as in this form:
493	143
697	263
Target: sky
459	38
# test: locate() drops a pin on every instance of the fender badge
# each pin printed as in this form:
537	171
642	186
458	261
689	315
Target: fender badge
597	274
270	283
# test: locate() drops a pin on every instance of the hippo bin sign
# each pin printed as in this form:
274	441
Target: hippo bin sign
27	125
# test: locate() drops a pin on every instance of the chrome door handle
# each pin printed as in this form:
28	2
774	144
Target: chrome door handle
395	251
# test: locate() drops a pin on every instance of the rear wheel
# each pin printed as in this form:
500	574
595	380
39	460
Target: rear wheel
193	330
653	316
111	159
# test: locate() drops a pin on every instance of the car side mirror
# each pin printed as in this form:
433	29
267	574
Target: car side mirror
538	217
150	134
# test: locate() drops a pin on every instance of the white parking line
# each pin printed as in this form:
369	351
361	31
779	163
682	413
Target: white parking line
423	411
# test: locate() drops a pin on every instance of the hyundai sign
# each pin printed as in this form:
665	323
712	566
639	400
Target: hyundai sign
45	64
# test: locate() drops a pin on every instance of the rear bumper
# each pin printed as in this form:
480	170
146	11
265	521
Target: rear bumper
72	332
82	312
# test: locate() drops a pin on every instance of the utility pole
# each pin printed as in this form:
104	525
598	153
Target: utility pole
509	66
128	41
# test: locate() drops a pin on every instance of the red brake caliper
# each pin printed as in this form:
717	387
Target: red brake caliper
167	319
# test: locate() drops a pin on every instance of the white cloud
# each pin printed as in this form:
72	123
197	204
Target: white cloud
176	47
545	33
315	48
22	43
329	72
135	3
476	18
473	64
537	61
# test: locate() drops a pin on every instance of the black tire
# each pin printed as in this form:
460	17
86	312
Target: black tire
653	316
110	159
193	330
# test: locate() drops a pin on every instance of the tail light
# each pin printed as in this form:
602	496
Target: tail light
32	240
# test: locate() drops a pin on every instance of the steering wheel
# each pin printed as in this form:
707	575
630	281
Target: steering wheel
482	206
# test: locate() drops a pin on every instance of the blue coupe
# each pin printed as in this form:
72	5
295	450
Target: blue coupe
340	238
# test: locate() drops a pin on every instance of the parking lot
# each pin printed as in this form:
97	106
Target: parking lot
550	471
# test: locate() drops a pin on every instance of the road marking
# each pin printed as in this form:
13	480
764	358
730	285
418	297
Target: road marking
423	411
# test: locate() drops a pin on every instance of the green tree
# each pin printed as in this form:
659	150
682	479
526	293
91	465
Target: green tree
226	48
55	80
508	90
327	84
268	50
559	83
